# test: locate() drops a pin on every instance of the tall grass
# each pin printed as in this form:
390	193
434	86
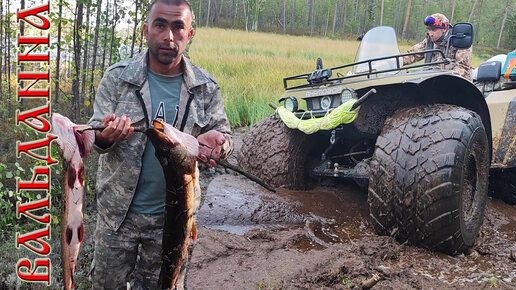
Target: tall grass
250	66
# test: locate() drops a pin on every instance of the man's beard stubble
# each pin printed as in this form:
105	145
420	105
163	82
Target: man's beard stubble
161	57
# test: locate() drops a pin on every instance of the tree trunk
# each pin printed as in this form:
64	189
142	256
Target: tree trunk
308	13
327	23
199	15
144	4
355	15
421	33
293	16
312	13
405	23
77	62
507	8
85	59
344	17
136	8
208	13
334	18
234	10
364	25
381	13
472	11
58	57
246	16
104	45
215	15
94	56
478	20
219	13
452	11
284	17
256	13
115	20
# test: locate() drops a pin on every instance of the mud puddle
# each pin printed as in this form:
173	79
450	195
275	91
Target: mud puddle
252	239
328	215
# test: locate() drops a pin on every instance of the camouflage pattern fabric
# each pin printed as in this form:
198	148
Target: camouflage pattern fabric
116	252
460	58
119	232
119	165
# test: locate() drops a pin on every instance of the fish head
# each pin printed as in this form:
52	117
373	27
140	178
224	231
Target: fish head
172	147
73	145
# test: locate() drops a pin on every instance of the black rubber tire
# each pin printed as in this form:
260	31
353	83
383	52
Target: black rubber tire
429	177
503	183
276	154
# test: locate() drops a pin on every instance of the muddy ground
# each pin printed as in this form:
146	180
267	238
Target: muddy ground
250	238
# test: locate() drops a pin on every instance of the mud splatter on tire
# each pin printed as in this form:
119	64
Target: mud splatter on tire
275	153
429	177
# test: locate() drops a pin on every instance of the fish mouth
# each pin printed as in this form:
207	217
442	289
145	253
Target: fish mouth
157	135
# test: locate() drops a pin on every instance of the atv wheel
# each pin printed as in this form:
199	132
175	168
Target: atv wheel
276	154
504	184
429	177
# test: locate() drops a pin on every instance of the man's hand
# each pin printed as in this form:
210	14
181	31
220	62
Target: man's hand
210	145
118	129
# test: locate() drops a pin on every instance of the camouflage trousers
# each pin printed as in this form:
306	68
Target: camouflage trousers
135	249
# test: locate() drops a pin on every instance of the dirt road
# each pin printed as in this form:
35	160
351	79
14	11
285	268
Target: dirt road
320	239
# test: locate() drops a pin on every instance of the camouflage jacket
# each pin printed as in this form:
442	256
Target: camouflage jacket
460	58
200	109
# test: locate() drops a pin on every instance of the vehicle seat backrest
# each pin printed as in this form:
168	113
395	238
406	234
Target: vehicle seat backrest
489	71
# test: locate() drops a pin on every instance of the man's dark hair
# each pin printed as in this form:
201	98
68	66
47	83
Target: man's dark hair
172	2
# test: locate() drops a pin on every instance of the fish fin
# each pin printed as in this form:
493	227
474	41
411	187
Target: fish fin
80	232
71	277
188	141
84	140
191	144
69	235
194	232
89	139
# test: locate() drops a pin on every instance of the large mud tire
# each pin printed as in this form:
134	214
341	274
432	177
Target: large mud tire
429	177
504	184
276	154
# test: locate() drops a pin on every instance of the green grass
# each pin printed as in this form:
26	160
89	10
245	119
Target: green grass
250	66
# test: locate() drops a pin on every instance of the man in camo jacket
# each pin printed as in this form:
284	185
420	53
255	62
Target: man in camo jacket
130	183
438	33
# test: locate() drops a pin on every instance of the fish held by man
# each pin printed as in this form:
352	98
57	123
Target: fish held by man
74	146
177	152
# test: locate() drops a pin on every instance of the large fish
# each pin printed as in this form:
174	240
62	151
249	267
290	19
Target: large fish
177	153
74	146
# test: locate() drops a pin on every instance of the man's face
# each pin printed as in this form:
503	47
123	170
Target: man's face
436	33
167	31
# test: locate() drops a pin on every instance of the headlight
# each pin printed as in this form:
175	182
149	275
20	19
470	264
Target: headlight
346	95
325	103
291	104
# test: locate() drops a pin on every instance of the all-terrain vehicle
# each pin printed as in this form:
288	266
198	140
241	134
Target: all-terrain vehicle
420	139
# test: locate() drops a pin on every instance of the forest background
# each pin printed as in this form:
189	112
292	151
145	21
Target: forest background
89	35
249	46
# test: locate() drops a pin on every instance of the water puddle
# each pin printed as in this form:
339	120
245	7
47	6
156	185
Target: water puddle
327	215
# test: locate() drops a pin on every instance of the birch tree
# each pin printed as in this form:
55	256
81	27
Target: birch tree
405	23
